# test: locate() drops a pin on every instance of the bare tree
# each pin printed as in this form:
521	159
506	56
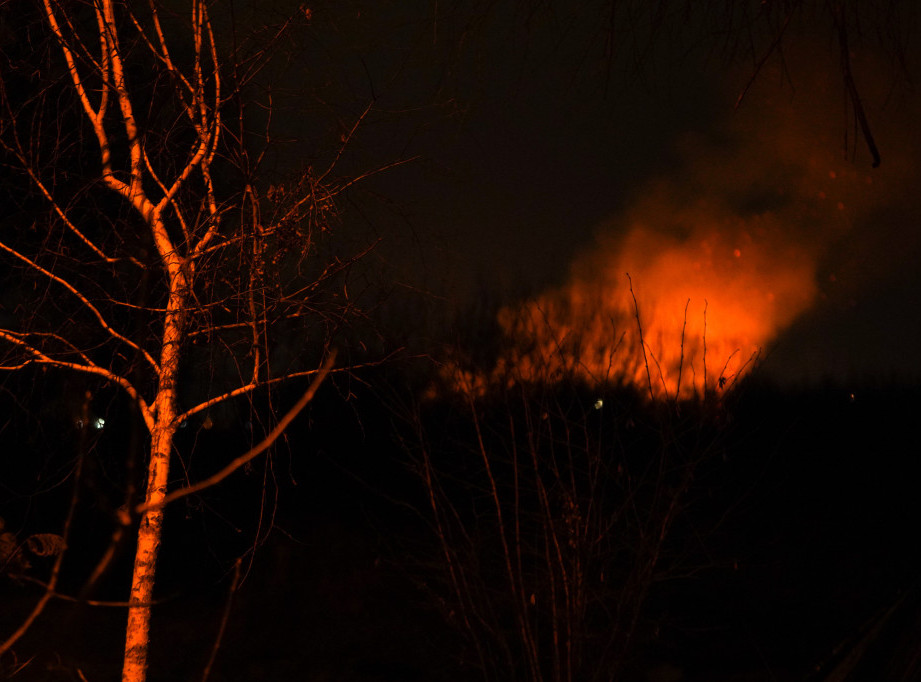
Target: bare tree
553	504
147	242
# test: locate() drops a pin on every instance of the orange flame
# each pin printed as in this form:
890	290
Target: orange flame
682	293
675	316
679	311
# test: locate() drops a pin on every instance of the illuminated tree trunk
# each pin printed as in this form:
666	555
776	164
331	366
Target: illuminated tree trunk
150	531
172	223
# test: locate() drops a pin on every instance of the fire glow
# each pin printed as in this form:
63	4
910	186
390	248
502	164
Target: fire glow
686	288
680	307
675	316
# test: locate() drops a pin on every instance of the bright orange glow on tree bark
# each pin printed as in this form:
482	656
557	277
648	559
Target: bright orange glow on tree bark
171	218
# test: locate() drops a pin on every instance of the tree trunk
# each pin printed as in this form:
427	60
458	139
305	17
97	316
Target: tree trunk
151	526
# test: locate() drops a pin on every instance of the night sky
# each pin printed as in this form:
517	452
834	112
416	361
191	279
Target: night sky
539	150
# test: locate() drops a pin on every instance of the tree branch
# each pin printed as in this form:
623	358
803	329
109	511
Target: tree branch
85	301
851	86
90	368
253	452
249	388
58	560
117	69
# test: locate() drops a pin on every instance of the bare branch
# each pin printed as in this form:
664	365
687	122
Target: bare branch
249	388
253	452
345	142
85	301
93	114
60	212
771	49
162	53
96	119
201	149
636	310
380	169
58	561
124	98
172	199
234	584
89	368
851	86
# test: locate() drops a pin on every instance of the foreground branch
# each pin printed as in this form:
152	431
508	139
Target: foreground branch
253	452
41	358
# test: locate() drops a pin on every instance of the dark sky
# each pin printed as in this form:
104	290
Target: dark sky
539	154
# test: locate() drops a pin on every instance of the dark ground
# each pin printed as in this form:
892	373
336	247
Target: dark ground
810	511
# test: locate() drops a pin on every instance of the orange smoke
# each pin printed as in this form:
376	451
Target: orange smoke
682	293
677	316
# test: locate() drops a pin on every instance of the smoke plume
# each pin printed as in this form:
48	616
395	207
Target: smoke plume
683	291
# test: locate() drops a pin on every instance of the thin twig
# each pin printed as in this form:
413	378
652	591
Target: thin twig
59	559
684	327
852	92
639	326
235	581
249	388
774	45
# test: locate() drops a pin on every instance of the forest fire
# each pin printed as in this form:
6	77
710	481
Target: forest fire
677	316
682	293
690	282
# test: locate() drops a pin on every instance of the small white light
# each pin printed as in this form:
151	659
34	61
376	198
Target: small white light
98	423
599	403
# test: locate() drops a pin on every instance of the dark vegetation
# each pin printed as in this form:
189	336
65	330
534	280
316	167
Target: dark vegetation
788	536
